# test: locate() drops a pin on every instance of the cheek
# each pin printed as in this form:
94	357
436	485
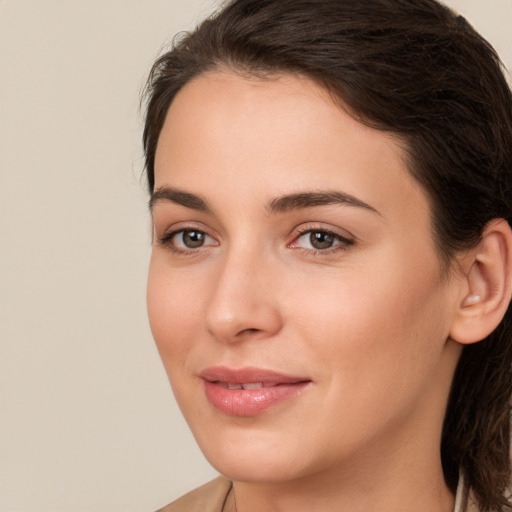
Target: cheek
377	348
173	311
386	324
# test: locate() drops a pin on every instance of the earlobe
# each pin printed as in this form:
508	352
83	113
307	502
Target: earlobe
488	289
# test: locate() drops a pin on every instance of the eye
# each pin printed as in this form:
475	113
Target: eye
186	240
190	239
320	240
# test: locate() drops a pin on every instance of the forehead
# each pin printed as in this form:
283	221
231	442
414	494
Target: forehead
233	136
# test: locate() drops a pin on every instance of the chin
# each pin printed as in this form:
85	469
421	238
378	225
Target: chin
262	458
254	469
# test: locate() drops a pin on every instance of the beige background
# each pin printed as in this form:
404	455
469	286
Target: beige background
87	420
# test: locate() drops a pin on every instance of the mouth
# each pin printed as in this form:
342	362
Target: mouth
249	391
247	385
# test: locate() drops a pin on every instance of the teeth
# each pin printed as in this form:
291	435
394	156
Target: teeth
248	385
252	385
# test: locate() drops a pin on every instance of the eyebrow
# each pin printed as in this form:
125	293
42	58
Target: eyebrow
179	197
311	199
281	204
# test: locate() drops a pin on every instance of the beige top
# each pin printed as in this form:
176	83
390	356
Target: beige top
215	496
210	497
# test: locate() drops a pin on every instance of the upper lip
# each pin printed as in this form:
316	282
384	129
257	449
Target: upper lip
249	375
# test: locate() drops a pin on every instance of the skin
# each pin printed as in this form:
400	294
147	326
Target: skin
367	321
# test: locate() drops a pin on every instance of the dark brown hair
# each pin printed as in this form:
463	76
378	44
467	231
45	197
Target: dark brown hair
414	68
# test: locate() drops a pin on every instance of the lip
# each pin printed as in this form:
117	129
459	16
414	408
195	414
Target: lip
267	388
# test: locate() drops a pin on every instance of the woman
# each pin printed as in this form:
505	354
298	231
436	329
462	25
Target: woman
331	271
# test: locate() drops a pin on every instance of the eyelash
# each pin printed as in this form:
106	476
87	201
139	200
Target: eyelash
167	241
343	245
343	242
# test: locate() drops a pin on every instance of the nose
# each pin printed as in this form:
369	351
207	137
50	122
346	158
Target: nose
244	303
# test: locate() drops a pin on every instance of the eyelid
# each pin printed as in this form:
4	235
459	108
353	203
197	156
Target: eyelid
174	227
307	227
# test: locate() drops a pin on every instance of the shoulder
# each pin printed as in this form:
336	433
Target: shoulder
209	497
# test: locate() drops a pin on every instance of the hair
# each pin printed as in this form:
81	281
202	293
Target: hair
416	69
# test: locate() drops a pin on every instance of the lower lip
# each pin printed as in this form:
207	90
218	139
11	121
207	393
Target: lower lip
250	402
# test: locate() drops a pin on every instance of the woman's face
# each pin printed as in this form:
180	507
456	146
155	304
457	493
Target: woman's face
295	294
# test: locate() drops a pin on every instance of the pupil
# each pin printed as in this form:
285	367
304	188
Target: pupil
321	240
193	239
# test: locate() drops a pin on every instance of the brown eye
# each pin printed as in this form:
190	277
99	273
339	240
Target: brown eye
321	239
191	239
187	241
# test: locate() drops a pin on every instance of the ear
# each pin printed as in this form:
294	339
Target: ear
487	289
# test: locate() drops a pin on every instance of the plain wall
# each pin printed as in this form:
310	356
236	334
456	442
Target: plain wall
87	420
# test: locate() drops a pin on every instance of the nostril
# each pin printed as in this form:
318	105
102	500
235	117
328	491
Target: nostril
249	331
